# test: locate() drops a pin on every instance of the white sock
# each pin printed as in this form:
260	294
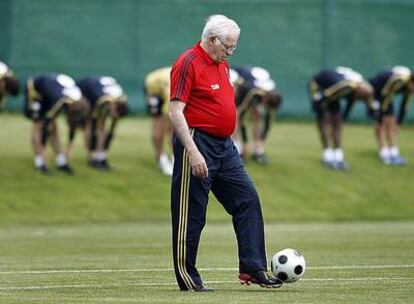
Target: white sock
394	151
38	161
259	150
338	155
61	159
94	155
98	156
328	155
163	159
101	155
165	165
384	153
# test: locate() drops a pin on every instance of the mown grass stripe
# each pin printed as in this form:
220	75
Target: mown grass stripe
219	269
36	287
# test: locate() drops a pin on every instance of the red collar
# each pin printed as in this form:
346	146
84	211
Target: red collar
200	51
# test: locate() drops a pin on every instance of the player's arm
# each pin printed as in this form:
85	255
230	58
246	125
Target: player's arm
349	104
197	161
45	131
97	135
404	106
110	134
242	109
71	138
2	102
242	126
266	121
92	139
37	137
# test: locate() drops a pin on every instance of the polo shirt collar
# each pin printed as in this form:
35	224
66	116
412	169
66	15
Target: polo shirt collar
200	51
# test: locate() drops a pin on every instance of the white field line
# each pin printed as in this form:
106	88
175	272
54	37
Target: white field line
62	286
201	269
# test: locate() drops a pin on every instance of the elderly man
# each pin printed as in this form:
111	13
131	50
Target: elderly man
203	114
9	85
326	90
388	84
157	91
106	99
47	96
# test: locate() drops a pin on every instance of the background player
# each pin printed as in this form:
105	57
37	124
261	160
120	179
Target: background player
46	97
157	90
106	100
326	89
9	85
387	84
256	93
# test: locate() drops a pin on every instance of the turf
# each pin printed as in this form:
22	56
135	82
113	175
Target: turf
294	188
131	263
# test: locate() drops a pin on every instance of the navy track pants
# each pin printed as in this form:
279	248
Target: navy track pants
232	187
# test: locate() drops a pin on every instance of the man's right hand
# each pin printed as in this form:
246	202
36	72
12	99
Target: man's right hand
198	164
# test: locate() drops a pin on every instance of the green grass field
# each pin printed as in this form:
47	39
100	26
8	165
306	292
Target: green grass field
131	263
294	188
104	237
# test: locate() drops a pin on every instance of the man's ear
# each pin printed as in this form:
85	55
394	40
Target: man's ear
212	40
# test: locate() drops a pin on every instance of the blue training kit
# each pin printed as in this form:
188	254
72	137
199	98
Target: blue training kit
232	187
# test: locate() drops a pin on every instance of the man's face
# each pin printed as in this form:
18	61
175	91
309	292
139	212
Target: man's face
223	47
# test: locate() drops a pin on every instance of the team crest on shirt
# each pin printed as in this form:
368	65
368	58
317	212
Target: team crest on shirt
215	86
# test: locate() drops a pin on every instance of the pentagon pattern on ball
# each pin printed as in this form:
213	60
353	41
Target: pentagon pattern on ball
288	265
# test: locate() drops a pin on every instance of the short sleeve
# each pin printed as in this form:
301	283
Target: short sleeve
182	78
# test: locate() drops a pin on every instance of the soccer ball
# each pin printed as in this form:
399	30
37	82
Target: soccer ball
288	265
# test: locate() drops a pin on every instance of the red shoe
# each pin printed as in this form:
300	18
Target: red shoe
260	278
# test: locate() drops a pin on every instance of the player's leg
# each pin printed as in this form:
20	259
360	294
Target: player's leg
160	130
391	130
189	198
323	125
258	146
319	107
62	162
40	158
336	130
169	130
157	135
88	141
236	192
384	151
381	132
99	135
338	153
32	110
157	108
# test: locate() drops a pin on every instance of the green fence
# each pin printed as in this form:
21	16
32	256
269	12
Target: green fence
128	38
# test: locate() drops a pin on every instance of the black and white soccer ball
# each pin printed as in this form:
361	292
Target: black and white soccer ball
288	265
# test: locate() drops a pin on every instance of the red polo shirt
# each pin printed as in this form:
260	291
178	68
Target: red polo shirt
206	89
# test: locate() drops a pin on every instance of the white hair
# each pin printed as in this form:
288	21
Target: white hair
219	25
